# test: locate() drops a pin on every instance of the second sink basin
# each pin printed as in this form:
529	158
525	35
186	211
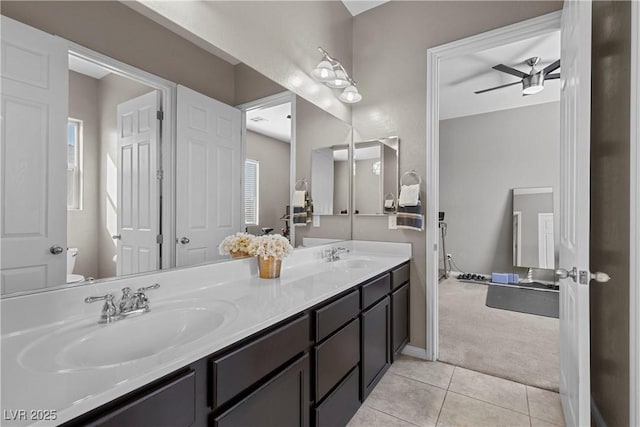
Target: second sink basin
87	345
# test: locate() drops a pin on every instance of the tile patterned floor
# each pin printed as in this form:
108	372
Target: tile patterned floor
415	392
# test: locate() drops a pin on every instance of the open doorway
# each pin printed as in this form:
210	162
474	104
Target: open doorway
497	150
269	141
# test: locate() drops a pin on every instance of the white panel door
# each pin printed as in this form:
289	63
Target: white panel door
34	158
575	112
208	177
138	187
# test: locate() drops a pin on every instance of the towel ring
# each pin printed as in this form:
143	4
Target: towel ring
302	185
411	177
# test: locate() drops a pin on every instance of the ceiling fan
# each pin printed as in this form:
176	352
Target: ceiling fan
533	82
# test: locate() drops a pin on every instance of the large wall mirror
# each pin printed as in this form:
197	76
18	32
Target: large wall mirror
375	176
113	192
534	239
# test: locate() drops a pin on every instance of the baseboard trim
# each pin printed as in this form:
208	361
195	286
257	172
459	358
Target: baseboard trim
596	416
417	352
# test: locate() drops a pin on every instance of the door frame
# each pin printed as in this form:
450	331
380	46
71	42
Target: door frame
634	273
270	101
519	31
167	149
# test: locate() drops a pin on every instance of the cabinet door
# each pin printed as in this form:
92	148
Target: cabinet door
281	402
376	342
399	319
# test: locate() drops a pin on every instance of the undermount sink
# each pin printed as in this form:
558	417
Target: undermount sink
88	345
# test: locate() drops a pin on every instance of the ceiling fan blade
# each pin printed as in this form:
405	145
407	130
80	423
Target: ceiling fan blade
497	87
551	67
509	70
552	76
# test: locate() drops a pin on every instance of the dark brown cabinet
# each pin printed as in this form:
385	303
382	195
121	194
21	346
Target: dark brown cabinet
376	341
281	402
399	320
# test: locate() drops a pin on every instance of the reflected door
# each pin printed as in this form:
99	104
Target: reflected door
208	178
34	126
138	188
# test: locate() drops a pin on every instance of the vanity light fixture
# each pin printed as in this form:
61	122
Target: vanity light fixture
331	72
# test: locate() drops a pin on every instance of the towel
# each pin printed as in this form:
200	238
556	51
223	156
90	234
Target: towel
389	206
302	208
410	217
409	195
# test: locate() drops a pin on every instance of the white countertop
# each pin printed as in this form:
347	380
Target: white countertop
251	304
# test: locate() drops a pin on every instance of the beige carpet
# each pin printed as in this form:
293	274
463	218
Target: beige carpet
516	346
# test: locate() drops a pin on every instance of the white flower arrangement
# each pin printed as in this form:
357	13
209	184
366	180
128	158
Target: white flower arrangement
235	243
270	245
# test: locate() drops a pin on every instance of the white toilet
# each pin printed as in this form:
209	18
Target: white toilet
72	253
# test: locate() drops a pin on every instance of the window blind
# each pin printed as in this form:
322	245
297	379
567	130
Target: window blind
251	185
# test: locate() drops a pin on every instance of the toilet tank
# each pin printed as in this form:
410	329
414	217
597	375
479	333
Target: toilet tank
72	253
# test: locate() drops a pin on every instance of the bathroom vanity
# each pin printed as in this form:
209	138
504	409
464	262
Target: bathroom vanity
305	349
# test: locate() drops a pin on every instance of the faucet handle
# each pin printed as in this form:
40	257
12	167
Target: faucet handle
148	288
108	309
107	297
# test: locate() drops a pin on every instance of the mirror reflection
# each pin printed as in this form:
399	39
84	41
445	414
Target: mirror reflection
534	242
330	178
375	178
132	197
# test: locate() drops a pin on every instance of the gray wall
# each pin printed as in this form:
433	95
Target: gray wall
82	225
273	156
482	158
113	90
390	44
610	205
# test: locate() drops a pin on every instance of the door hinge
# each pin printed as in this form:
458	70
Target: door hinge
159	239
160	174
160	115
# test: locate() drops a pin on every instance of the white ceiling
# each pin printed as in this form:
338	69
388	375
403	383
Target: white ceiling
87	68
271	121
358	6
461	76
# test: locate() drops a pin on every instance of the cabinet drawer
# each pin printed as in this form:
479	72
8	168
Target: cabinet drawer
341	405
170	403
332	316
335	357
376	342
238	370
281	402
399	276
375	290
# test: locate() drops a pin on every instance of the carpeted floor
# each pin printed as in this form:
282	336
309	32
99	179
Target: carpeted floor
516	346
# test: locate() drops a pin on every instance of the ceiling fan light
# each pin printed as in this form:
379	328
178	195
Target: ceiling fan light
339	81
533	84
350	95
324	72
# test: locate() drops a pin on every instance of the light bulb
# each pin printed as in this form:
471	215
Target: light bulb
323	72
350	95
339	81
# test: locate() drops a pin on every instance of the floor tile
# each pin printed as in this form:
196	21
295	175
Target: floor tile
545	405
407	399
369	417
434	373
535	422
498	391
459	410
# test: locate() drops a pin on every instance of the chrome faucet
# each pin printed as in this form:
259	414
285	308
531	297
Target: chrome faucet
333	254
129	304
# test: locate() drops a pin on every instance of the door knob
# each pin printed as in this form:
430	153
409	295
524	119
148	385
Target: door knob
600	277
564	274
56	250
184	240
597	276
116	236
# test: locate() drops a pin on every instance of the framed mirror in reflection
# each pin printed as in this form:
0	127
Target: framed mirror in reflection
114	171
330	180
534	232
375	177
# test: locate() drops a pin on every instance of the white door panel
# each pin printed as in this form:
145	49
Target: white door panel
575	113
138	187
33	159
208	178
